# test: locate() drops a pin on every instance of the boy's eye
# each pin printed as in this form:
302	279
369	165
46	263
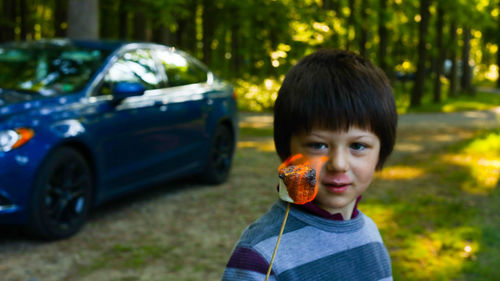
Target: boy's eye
358	146
316	145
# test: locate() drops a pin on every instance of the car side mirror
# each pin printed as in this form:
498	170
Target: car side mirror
123	90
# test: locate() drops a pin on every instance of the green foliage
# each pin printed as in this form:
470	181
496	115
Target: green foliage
257	97
250	41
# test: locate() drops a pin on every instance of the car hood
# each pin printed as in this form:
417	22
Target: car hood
10	97
14	105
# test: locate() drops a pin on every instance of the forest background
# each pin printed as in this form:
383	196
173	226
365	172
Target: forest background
420	44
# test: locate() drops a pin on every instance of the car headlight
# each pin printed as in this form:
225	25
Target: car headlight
10	139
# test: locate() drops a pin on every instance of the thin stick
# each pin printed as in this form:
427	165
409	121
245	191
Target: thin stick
278	242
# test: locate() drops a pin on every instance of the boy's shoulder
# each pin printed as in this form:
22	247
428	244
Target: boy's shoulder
268	226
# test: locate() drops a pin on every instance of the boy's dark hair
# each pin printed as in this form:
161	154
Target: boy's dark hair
335	89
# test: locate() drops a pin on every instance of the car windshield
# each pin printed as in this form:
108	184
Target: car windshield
49	69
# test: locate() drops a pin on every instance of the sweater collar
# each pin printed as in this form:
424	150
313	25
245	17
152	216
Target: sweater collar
314	209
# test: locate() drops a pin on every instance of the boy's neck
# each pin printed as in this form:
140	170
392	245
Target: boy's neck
345	212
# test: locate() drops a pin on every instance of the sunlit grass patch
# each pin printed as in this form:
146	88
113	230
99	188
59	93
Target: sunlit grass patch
255	132
266	145
481	157
454	106
400	173
382	215
437	255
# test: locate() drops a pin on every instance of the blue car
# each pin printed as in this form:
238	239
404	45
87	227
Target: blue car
82	122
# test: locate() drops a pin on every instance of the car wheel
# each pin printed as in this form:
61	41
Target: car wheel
61	195
220	156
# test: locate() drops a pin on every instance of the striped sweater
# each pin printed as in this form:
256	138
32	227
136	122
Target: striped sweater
312	248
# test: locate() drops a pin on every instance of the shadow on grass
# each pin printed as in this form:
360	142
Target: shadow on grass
16	234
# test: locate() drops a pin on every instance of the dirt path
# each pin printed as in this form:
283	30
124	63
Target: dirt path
138	238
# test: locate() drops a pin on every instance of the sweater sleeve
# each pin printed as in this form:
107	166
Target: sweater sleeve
246	264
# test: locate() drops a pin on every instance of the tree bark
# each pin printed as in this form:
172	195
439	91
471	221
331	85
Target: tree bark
208	18
122	19
140	26
26	31
498	51
383	36
186	32
8	26
441	54
161	35
418	85
83	19
236	58
107	24
351	23
465	81
60	17
453	57
363	37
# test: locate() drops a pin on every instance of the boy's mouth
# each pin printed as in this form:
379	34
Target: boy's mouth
337	184
337	187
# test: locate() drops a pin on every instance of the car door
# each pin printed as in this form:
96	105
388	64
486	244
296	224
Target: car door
186	110
129	134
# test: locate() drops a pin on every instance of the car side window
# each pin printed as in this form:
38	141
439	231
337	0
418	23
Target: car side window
180	70
134	66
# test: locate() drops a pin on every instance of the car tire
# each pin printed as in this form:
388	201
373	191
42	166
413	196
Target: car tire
220	156
61	196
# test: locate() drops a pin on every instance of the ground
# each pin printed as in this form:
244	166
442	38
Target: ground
185	231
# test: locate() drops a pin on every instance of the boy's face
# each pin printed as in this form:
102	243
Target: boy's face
352	157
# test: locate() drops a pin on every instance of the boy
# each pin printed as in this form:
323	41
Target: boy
337	106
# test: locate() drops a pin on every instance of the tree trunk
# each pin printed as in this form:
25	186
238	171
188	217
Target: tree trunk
363	38
140	26
441	54
122	19
186	32
418	86
107	24
26	31
382	33
351	24
60	17
465	81
8	26
83	19
236	57
209	16
498	51
453	57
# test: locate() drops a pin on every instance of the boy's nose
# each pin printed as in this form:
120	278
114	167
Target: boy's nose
337	161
